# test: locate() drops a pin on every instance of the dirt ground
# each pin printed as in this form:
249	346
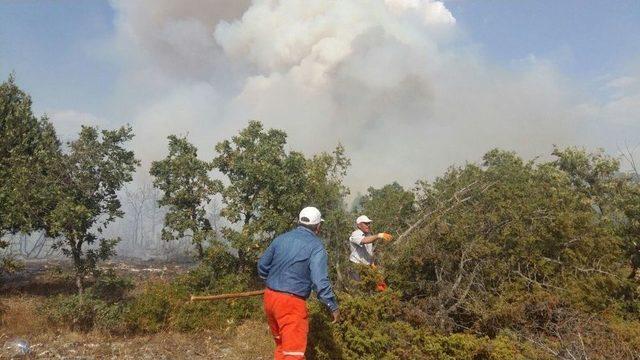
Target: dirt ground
22	293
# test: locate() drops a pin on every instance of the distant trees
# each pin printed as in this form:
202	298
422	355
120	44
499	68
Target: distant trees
187	189
137	203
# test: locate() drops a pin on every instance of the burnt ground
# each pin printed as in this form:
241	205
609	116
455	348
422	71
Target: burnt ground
43	272
21	294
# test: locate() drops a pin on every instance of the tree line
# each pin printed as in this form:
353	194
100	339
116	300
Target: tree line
71	191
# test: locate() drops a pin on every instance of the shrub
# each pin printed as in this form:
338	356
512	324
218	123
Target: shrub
110	318
165	306
150	310
76	312
111	287
216	314
377	327
218	260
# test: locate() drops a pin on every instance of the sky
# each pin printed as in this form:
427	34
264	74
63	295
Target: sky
409	87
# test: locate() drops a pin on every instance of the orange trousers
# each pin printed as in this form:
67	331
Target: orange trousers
289	323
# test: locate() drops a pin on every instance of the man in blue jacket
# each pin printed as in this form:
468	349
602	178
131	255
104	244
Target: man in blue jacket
294	264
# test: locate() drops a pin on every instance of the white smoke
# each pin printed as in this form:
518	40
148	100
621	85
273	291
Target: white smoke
394	80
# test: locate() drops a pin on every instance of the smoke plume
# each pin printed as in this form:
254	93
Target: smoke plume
395	81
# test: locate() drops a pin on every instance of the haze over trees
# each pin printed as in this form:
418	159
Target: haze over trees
187	189
87	182
507	258
70	194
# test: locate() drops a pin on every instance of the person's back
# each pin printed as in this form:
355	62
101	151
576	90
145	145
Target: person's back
293	265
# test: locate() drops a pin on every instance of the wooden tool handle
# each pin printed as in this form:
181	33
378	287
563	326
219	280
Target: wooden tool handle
226	296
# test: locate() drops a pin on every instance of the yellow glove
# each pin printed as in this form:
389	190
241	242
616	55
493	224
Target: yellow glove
386	237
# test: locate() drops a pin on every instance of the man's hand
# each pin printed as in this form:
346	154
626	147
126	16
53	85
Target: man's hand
386	237
336	316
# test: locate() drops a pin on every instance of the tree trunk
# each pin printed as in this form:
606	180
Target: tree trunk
79	283
200	251
77	262
241	261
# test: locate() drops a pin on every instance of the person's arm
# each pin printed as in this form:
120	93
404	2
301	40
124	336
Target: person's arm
320	280
369	239
360	240
264	264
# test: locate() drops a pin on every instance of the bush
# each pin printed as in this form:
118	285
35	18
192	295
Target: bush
165	306
76	312
110	318
111	287
150	310
377	327
83	313
219	314
218	260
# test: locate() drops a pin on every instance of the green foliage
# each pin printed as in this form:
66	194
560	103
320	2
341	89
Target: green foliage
102	307
87	181
163	306
521	223
391	208
218	261
76	311
109	318
268	186
377	327
264	191
325	190
590	173
187	189
150	311
111	287
81	312
9	264
29	150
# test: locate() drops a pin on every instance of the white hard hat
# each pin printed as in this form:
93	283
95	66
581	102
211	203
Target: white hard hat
363	219
310	216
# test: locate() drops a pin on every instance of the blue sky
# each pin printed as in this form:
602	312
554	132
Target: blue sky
51	46
150	62
586	38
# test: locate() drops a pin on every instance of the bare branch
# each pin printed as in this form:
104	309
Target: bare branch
455	201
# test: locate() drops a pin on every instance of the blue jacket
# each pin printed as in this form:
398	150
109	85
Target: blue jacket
296	263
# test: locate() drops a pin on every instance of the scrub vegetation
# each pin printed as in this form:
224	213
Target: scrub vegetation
507	258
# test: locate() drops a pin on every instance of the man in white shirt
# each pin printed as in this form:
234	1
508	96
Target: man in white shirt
362	242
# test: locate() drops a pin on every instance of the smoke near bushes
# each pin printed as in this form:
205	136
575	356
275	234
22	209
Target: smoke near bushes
396	81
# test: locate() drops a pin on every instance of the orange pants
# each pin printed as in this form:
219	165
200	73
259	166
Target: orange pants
289	323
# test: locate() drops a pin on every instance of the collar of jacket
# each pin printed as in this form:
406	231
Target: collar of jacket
305	229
